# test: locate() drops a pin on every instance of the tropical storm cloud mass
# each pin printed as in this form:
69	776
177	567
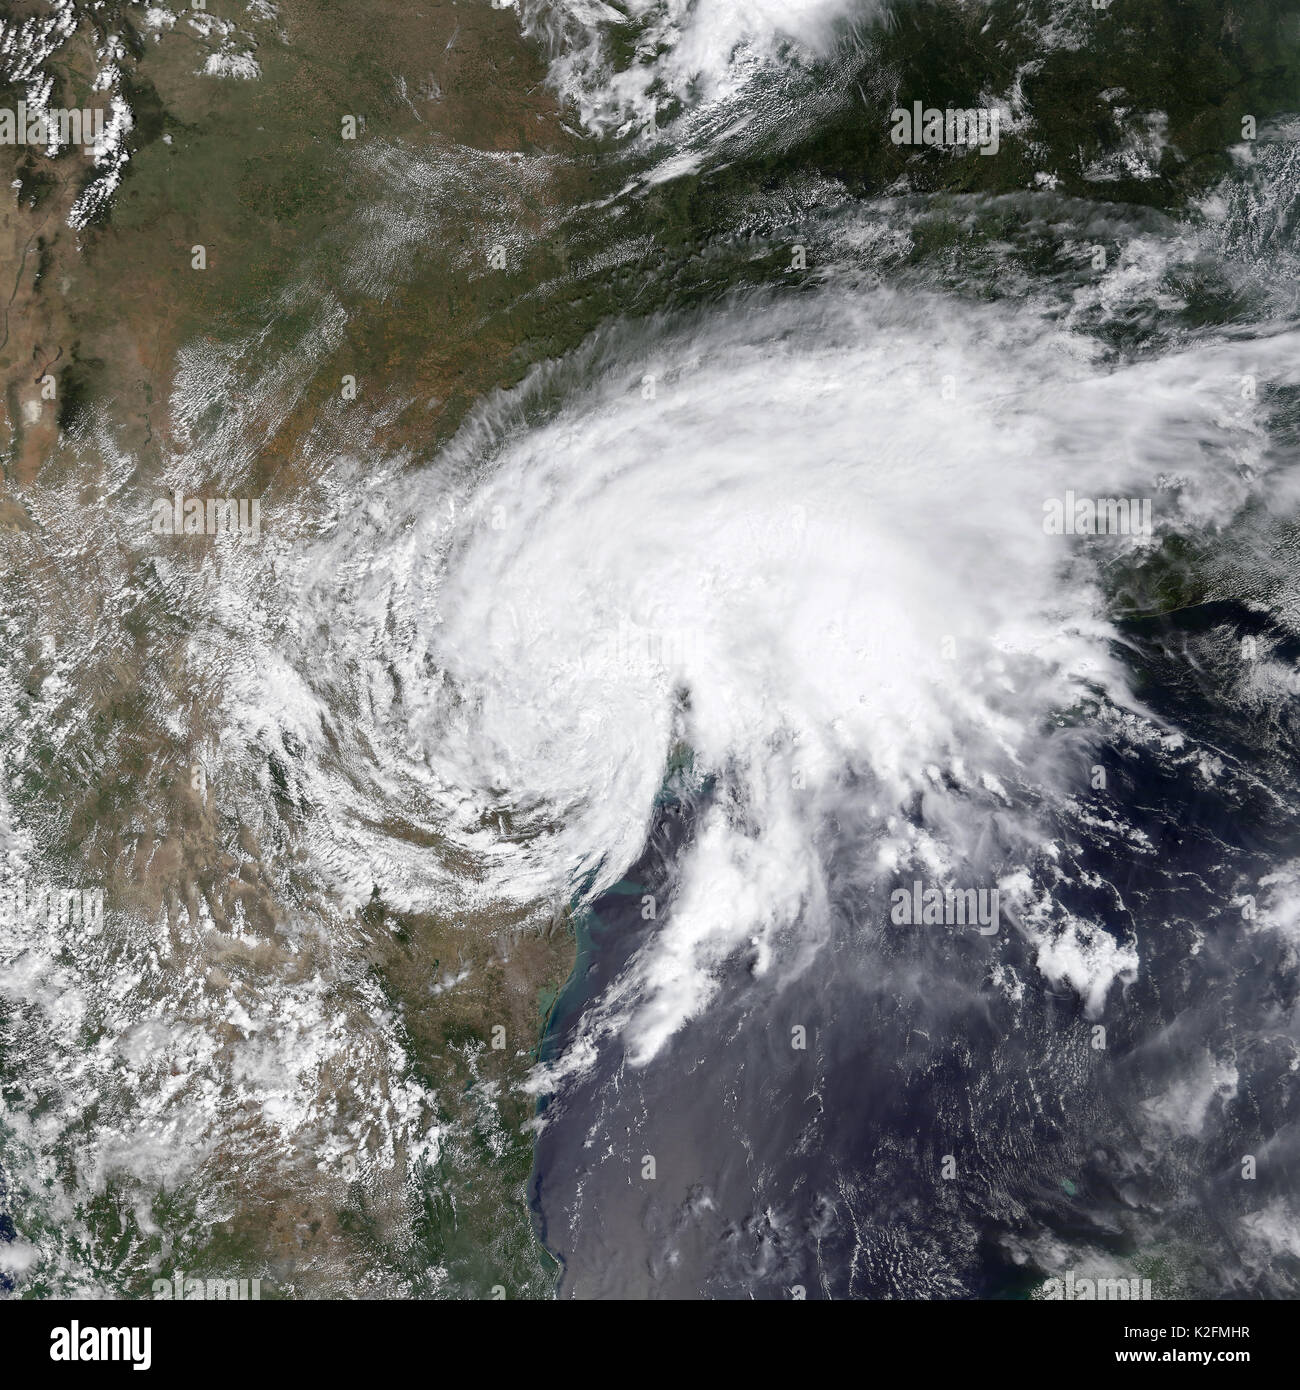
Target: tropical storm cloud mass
650	650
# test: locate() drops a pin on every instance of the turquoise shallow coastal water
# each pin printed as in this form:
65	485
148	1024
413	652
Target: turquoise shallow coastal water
652	561
833	1103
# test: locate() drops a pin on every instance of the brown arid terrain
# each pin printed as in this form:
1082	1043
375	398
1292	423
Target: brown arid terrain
323	257
526	525
259	173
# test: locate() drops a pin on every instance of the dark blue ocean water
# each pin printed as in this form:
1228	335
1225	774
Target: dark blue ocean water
820	1173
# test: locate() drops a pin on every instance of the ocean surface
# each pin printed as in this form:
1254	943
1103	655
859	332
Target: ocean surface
707	564
884	671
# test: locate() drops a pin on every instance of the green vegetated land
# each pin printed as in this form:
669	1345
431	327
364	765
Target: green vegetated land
258	174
